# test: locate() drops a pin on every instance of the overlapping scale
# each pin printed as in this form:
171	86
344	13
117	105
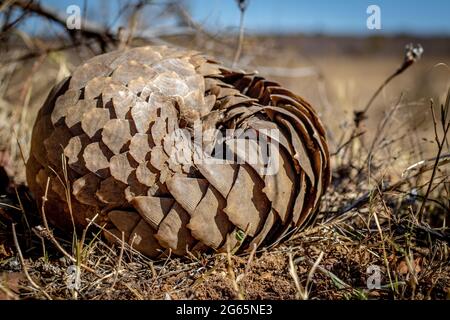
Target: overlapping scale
123	125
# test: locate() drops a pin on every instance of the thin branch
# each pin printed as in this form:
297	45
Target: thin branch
440	144
46	233
412	55
88	30
22	262
243	4
119	263
378	135
346	143
35	54
8	25
358	203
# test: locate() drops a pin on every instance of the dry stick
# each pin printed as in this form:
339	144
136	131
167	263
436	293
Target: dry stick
78	244
304	292
128	246
313	270
445	115
119	263
440	144
301	292
134	291
46	232
242	7
336	280
412	55
439	203
7	24
22	155
47	51
443	159
83	236
159	274
366	197
346	143
66	185
2	204
187	19
89	30
8	292
132	24
380	129
125	35
250	258
120	12
5	4
385	257
232	274
22	262
24	214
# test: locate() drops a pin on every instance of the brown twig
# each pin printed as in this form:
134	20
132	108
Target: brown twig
440	143
88	30
187	19
378	134
46	233
232	274
22	262
386	188
35	54
119	262
301	292
243	4
250	259
346	143
412	55
9	25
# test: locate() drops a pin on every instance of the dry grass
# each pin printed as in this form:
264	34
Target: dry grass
371	217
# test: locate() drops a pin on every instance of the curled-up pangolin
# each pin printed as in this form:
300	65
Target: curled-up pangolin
177	152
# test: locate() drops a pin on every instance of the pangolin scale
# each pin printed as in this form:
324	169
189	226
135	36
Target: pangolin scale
104	142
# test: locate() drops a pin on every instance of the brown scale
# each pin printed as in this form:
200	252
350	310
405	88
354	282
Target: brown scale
114	126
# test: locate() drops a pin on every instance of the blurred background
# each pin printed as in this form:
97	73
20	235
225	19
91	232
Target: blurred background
335	54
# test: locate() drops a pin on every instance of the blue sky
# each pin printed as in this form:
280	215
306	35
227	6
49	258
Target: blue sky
418	17
332	16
